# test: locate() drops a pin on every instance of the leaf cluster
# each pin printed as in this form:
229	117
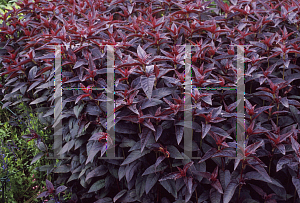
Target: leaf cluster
149	39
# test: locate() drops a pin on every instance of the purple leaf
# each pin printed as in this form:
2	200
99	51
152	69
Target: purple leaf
296	182
147	84
60	189
229	191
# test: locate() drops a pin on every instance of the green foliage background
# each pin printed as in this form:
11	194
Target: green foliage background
20	187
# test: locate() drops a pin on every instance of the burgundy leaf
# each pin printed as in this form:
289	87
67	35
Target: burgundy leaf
229	191
49	186
146	133
217	185
296	182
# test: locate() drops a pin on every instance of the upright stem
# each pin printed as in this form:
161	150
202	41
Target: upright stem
170	165
277	114
200	142
271	160
140	128
123	153
158	50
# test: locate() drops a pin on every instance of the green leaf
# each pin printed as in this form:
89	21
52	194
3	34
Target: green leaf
97	186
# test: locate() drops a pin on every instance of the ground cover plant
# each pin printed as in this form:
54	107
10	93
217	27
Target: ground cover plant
148	38
23	181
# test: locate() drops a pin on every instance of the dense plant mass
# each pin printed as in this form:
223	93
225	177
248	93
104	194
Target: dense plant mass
148	38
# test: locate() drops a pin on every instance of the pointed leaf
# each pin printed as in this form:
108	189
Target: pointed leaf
37	157
150	181
159	160
179	133
147	84
151	169
296	182
229	191
96	147
170	186
97	186
99	171
119	195
217	185
134	155
49	185
205	129
146	134
158	132
60	189
141	52
215	196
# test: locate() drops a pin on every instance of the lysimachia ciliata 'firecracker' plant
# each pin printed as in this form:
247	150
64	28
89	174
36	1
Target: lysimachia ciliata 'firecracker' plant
148	38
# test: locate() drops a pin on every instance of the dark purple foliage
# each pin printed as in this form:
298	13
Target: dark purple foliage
149	95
